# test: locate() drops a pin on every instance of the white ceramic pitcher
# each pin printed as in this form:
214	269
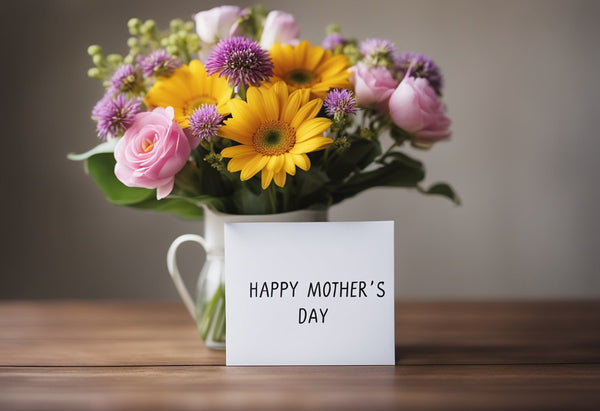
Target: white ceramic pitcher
209	309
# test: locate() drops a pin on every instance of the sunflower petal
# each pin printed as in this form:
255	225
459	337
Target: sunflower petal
270	100
253	166
236	131
276	163
302	161
256	104
235	151
312	144
289	165
301	53
280	90
314	57
238	163
307	111
241	111
280	178
311	128
292	106
265	178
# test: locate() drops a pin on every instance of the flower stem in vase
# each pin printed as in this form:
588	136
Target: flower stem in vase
213	317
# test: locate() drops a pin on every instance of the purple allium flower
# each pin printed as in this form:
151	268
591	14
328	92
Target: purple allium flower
115	115
205	121
420	66
333	40
159	63
126	79
340	103
241	61
378	52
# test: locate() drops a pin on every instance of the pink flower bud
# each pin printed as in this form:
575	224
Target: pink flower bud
217	23
281	28
416	108
373	86
153	149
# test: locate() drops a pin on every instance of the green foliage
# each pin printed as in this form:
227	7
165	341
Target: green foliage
180	40
101	168
444	190
359	155
399	171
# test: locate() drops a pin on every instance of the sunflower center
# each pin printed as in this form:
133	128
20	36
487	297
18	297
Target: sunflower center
300	77
197	102
273	138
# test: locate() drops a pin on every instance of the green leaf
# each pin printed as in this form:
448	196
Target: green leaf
359	155
247	202
404	159
398	134
181	207
311	188
101	168
310	181
444	190
402	171
107	147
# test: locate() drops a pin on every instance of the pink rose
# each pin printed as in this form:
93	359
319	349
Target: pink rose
217	23
416	108
281	28
373	86
152	150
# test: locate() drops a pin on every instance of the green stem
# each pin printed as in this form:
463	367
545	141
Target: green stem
286	199
272	197
219	327
388	151
208	313
242	91
326	157
186	54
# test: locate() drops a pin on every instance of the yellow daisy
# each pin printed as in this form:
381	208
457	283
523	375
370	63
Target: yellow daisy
187	89
275	130
309	67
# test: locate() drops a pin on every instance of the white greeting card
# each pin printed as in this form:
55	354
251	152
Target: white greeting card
310	293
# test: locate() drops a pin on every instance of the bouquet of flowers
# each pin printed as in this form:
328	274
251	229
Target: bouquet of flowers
235	111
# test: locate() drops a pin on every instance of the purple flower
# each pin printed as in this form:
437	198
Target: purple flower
340	103
420	66
205	121
241	61
333	40
159	63
378	52
126	79
115	115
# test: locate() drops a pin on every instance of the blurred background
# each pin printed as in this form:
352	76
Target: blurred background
520	87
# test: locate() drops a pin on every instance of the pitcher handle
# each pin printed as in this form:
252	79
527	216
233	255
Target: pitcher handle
174	270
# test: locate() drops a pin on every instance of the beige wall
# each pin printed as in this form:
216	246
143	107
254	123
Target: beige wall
521	88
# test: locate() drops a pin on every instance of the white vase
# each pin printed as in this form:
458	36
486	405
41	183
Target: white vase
209	309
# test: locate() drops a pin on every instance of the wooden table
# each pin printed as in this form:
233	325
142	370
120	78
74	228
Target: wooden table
454	355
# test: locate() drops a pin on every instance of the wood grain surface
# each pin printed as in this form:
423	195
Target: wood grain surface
450	355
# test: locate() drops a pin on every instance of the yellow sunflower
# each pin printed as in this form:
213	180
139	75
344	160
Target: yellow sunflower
309	67
187	89
275	130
